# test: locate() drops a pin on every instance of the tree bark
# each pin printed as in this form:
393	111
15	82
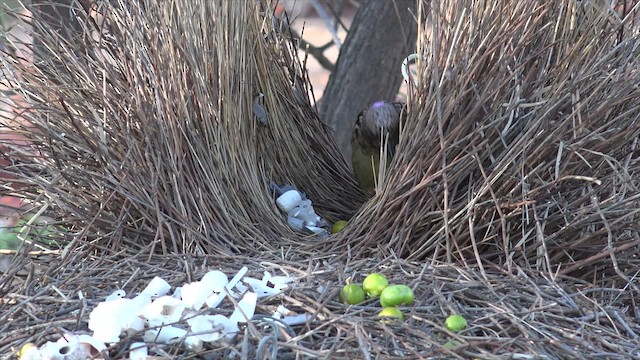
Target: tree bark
382	34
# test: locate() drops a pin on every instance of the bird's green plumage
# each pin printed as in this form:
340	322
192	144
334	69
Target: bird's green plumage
365	173
380	118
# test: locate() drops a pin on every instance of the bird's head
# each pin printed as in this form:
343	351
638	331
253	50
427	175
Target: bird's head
380	116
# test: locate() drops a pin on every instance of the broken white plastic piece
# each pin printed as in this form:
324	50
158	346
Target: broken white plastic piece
157	287
214	300
295	223
295	319
193	343
165	335
289	200
68	347
245	309
164	310
118	294
202	327
215	280
269	285
110	318
304	211
195	294
138	351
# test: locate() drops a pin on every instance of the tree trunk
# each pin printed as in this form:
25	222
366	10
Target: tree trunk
383	33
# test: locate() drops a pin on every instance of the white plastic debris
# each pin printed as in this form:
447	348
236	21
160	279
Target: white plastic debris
304	211
193	343
68	347
289	200
168	318
164	310
138	351
195	294
165	335
295	319
203	327
214	300
245	309
118	294
229	327
157	287
95	346
268	285
295	223
215	280
110	318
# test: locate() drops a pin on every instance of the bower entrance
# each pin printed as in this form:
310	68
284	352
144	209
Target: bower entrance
518	165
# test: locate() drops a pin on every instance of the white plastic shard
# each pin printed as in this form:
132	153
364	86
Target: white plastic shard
110	318
293	320
70	347
157	287
165	335
215	280
280	282
237	278
94	346
138	351
294	222
195	294
245	309
206	328
62	351
214	300
164	310
118	294
269	285
289	200
229	328
305	212
193	343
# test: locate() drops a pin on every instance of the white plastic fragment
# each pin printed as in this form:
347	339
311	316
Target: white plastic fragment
305	212
165	335
280	282
237	278
295	319
110	318
193	343
195	294
157	287
94	346
241	287
228	326
118	314
67	347
280	312
164	310
295	223
215	280
206	328
118	294
214	300
316	230
177	293
138	351
289	200
245	309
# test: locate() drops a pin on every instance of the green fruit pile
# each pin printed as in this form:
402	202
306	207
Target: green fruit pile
377	286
